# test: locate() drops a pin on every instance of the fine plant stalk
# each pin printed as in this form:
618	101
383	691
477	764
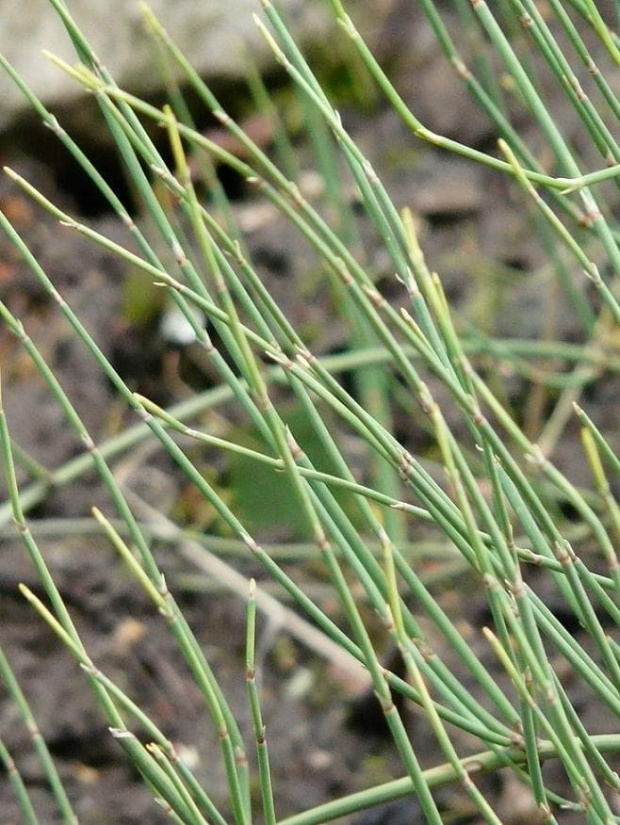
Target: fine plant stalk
414	459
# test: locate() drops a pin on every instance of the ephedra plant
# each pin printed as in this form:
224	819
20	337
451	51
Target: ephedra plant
484	489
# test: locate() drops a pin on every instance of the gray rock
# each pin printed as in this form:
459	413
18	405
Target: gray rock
211	34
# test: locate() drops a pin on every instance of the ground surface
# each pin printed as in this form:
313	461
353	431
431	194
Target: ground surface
325	742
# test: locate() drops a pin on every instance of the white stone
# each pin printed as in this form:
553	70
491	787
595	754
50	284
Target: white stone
211	33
